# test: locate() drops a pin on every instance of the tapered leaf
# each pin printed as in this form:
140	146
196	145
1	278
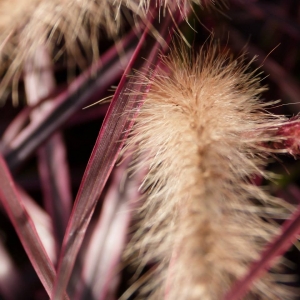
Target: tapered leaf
109	142
289	233
55	185
103	255
26	230
90	85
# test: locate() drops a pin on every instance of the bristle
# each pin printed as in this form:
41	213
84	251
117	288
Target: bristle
200	133
26	25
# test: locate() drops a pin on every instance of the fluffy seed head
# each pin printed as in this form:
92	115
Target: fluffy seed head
200	133
26	25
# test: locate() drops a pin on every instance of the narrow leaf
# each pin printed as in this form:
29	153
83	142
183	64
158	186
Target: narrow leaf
288	235
39	82
100	276
56	185
88	86
109	142
25	229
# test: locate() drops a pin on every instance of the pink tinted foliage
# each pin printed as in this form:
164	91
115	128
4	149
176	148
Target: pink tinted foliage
289	233
25	229
55	180
53	168
291	131
89	86
101	259
18	123
42	222
114	129
290	229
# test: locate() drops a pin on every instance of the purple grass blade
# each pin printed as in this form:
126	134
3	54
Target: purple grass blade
100	276
109	142
89	86
56	184
17	124
42	223
289	233
39	82
290	229
25	229
14	128
291	132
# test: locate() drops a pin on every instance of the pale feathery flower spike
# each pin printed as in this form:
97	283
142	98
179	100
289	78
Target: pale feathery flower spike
49	23
203	133
69	24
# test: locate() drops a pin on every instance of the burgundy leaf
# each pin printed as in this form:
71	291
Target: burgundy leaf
88	86
55	179
109	235
113	132
25	229
39	82
289	233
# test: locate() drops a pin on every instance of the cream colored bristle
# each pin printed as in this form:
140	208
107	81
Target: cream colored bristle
201	134
27	25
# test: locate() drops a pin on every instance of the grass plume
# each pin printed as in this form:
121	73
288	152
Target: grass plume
70	26
200	133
